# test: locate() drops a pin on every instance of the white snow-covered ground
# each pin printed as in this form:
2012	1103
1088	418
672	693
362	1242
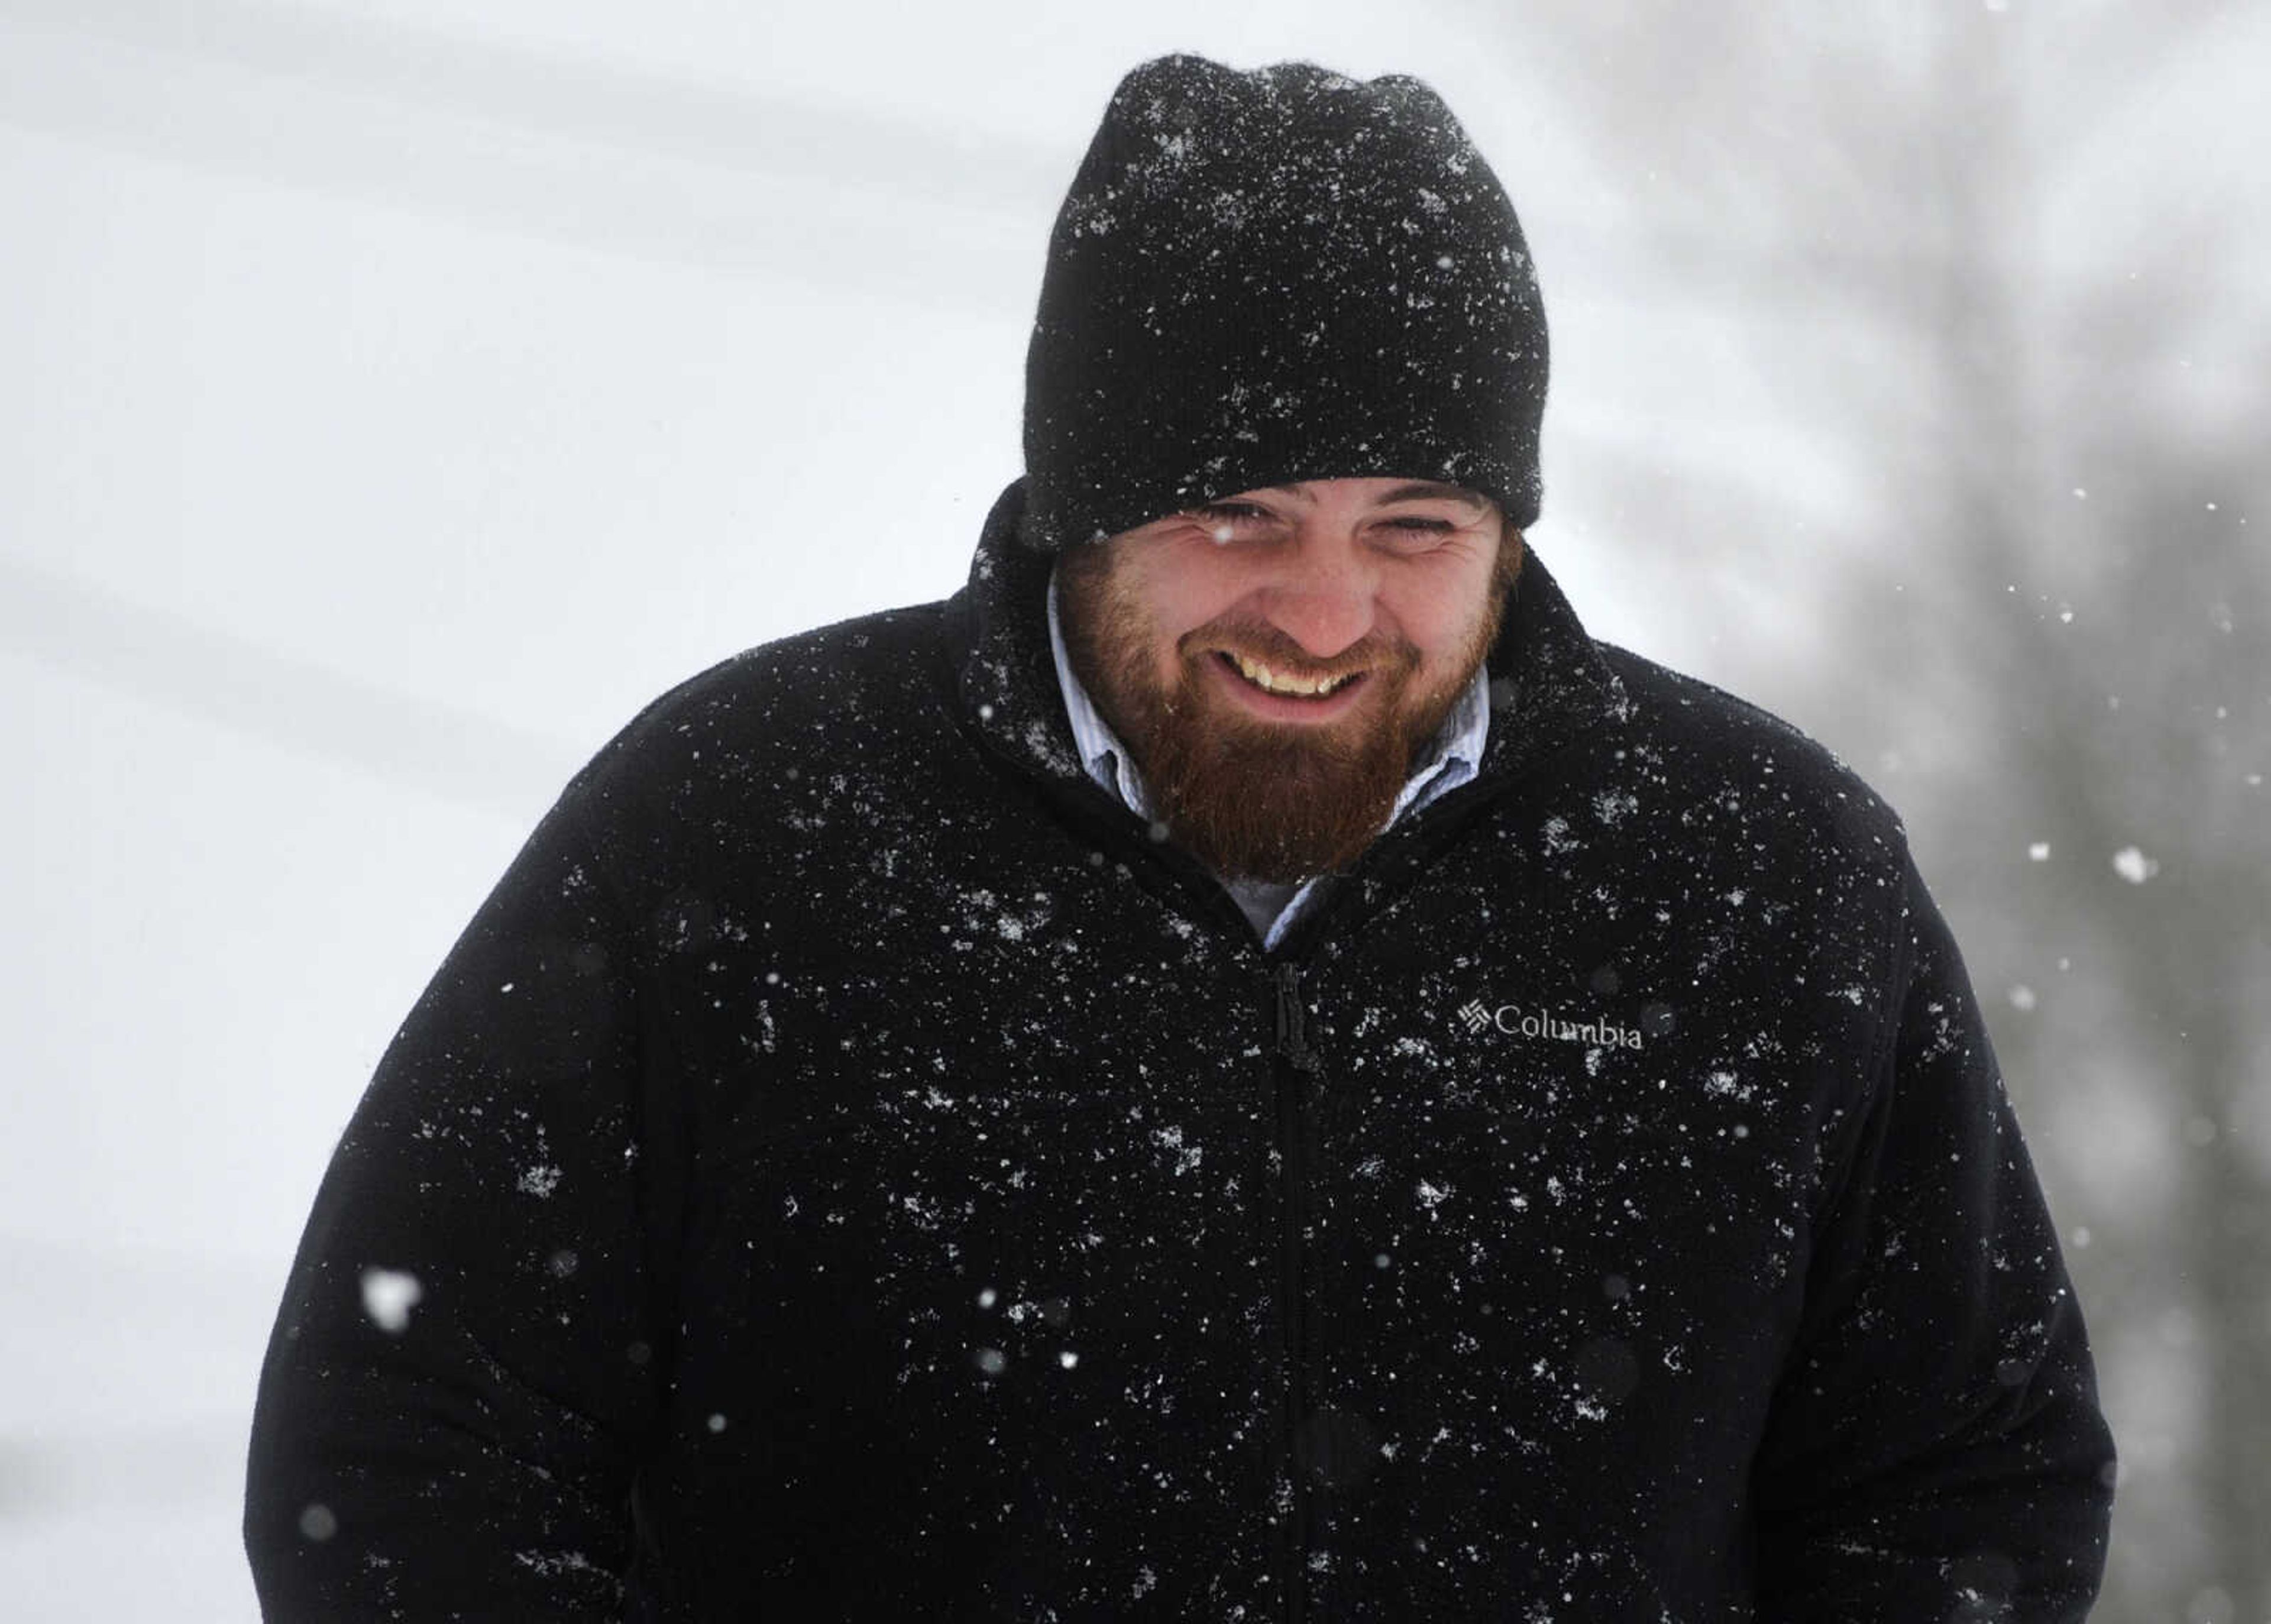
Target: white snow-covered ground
395	395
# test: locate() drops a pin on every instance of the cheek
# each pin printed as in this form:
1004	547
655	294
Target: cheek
1446	623
1182	599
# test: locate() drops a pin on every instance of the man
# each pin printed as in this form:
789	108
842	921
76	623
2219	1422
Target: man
1241	1067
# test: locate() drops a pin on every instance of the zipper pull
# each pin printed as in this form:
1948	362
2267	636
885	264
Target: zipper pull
1292	1036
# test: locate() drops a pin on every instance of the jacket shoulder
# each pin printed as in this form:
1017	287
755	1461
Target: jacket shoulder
841	688
1728	747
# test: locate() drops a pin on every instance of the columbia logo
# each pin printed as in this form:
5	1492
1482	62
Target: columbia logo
1516	1022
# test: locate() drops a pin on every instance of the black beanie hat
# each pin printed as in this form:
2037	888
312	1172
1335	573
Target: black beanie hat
1264	278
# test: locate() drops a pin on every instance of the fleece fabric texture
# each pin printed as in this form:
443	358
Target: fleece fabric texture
850	1170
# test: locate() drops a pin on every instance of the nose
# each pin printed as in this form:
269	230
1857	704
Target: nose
1323	596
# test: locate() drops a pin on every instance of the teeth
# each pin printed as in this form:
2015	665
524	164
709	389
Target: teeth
1282	683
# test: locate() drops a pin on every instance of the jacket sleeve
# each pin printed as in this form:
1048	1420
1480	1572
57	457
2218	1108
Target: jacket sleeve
464	1369
1935	1448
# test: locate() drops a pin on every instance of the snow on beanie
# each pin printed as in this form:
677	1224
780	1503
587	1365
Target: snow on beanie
1268	277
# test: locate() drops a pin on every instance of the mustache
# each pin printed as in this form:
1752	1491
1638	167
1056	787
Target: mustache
1265	644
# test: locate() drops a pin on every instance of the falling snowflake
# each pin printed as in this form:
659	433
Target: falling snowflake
2133	866
388	1296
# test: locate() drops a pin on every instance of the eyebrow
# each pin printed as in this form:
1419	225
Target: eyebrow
1418	491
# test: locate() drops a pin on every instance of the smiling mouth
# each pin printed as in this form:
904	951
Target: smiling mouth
1285	683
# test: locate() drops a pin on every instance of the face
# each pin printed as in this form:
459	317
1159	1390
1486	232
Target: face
1277	661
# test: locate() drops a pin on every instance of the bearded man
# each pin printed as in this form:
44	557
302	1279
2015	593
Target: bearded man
1241	1067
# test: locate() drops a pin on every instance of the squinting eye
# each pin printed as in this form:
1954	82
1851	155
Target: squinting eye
1416	531
1227	521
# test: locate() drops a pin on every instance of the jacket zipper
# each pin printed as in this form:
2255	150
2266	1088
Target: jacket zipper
1296	1065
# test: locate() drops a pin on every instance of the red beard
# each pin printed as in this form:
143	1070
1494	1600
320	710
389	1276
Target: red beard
1250	797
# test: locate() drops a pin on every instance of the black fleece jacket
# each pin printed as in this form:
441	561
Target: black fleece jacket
851	1170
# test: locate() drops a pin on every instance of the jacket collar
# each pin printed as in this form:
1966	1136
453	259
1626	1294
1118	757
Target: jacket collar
1549	681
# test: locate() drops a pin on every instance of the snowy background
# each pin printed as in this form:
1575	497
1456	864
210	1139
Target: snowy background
395	395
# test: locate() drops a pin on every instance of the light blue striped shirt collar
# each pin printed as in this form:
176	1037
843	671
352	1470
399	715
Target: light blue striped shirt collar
1455	759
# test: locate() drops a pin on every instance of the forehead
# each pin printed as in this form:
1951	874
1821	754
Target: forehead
1371	492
